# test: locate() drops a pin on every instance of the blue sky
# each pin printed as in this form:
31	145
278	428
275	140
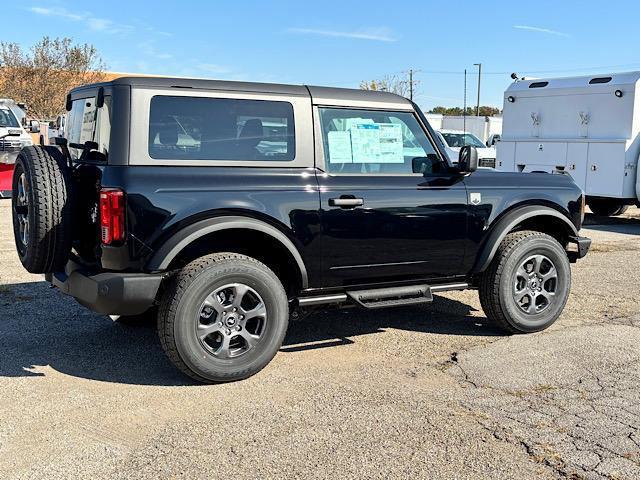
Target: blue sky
340	43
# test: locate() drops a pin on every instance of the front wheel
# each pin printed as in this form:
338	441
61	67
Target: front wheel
223	317
527	284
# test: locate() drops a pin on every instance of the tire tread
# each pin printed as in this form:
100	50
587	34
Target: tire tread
50	192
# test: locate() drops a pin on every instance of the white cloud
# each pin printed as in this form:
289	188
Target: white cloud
381	34
94	23
541	30
149	50
57	12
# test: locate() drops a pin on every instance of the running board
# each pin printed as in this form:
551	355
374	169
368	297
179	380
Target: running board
384	297
392	297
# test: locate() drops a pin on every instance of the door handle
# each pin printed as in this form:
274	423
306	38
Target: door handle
346	202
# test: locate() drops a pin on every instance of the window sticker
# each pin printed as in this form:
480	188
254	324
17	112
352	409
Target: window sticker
390	143
340	147
365	142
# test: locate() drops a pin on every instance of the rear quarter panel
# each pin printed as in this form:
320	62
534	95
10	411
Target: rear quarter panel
162	200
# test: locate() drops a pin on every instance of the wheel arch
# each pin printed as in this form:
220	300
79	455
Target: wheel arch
531	217
202	230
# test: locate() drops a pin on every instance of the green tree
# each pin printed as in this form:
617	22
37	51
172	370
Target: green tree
485	111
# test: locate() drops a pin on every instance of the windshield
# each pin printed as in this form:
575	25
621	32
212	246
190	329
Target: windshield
462	139
7	118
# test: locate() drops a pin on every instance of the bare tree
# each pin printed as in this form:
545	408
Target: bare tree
42	75
389	83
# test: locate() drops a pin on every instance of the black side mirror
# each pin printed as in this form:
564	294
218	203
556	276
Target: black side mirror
468	159
425	165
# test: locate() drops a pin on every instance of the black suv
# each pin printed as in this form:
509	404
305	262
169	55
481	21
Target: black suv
225	208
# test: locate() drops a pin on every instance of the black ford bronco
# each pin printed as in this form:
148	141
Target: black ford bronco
225	208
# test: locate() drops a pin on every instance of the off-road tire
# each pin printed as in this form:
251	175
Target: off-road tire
607	207
497	282
48	197
181	301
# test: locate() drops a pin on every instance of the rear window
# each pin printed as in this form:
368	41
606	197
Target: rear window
455	140
198	128
86	123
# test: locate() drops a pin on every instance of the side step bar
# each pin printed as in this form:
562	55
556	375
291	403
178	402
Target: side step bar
392	297
384	297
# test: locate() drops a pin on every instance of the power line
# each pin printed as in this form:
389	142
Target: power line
454	72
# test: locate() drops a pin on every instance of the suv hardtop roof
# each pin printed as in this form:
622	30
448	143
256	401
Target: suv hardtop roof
319	94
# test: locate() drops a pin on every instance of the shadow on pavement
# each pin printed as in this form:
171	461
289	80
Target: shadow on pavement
39	327
630	226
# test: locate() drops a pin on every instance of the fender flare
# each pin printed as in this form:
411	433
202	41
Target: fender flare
162	258
507	223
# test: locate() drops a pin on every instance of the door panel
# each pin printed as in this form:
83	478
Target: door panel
506	156
380	220
407	227
577	163
541	153
605	171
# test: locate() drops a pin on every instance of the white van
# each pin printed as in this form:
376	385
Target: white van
587	127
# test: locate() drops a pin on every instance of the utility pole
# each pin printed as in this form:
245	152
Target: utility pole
464	105
411	84
479	65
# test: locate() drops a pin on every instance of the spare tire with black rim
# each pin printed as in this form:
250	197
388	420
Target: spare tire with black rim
42	209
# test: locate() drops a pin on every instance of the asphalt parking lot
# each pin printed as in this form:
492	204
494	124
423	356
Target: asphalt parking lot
404	393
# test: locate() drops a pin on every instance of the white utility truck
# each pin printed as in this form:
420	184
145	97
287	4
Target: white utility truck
587	127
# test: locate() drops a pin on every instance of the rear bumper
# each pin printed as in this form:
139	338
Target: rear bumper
582	247
108	293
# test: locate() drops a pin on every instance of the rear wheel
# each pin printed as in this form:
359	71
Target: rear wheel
606	207
527	284
223	317
41	207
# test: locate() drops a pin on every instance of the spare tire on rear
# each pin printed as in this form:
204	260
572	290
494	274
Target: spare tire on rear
41	206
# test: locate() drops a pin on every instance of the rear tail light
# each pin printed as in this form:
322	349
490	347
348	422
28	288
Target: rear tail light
111	215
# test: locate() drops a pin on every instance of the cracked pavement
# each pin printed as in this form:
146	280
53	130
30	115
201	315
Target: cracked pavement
403	393
571	398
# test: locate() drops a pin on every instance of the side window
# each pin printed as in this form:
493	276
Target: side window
200	128
375	142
